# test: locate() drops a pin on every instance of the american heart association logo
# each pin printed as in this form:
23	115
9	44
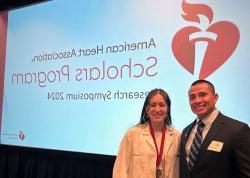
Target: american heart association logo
21	135
221	37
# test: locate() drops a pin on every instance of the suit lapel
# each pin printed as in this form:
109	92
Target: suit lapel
187	132
185	136
216	127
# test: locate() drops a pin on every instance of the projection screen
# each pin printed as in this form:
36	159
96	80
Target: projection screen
75	74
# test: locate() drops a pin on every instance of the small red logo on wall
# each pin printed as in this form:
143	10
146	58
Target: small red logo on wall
21	135
220	37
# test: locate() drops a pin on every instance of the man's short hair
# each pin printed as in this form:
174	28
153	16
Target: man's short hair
204	81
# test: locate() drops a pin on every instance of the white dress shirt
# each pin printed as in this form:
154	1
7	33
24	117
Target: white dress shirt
208	120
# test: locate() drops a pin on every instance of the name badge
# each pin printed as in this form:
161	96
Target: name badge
215	146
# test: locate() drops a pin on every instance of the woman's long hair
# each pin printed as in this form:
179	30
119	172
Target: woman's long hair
144	116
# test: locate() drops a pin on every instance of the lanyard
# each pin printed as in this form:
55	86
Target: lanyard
159	154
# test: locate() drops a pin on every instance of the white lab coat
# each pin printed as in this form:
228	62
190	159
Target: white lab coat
137	154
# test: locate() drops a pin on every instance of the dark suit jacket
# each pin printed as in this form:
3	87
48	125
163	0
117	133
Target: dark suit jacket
233	161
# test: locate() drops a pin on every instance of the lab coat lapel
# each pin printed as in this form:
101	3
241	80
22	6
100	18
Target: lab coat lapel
168	139
148	138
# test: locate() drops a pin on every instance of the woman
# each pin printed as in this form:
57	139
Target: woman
151	148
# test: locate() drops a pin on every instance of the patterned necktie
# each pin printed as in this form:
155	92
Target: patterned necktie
194	150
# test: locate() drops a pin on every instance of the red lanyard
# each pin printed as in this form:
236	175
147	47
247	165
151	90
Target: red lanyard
159	154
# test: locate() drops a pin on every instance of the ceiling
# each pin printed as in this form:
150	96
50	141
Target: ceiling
13	4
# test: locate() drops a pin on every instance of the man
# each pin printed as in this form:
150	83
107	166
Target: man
217	147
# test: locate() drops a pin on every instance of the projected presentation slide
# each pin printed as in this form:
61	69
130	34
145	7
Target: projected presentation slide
75	74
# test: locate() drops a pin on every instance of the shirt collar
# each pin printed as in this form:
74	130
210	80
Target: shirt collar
208	120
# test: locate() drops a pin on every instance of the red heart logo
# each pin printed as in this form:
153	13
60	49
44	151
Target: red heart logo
218	51
21	135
